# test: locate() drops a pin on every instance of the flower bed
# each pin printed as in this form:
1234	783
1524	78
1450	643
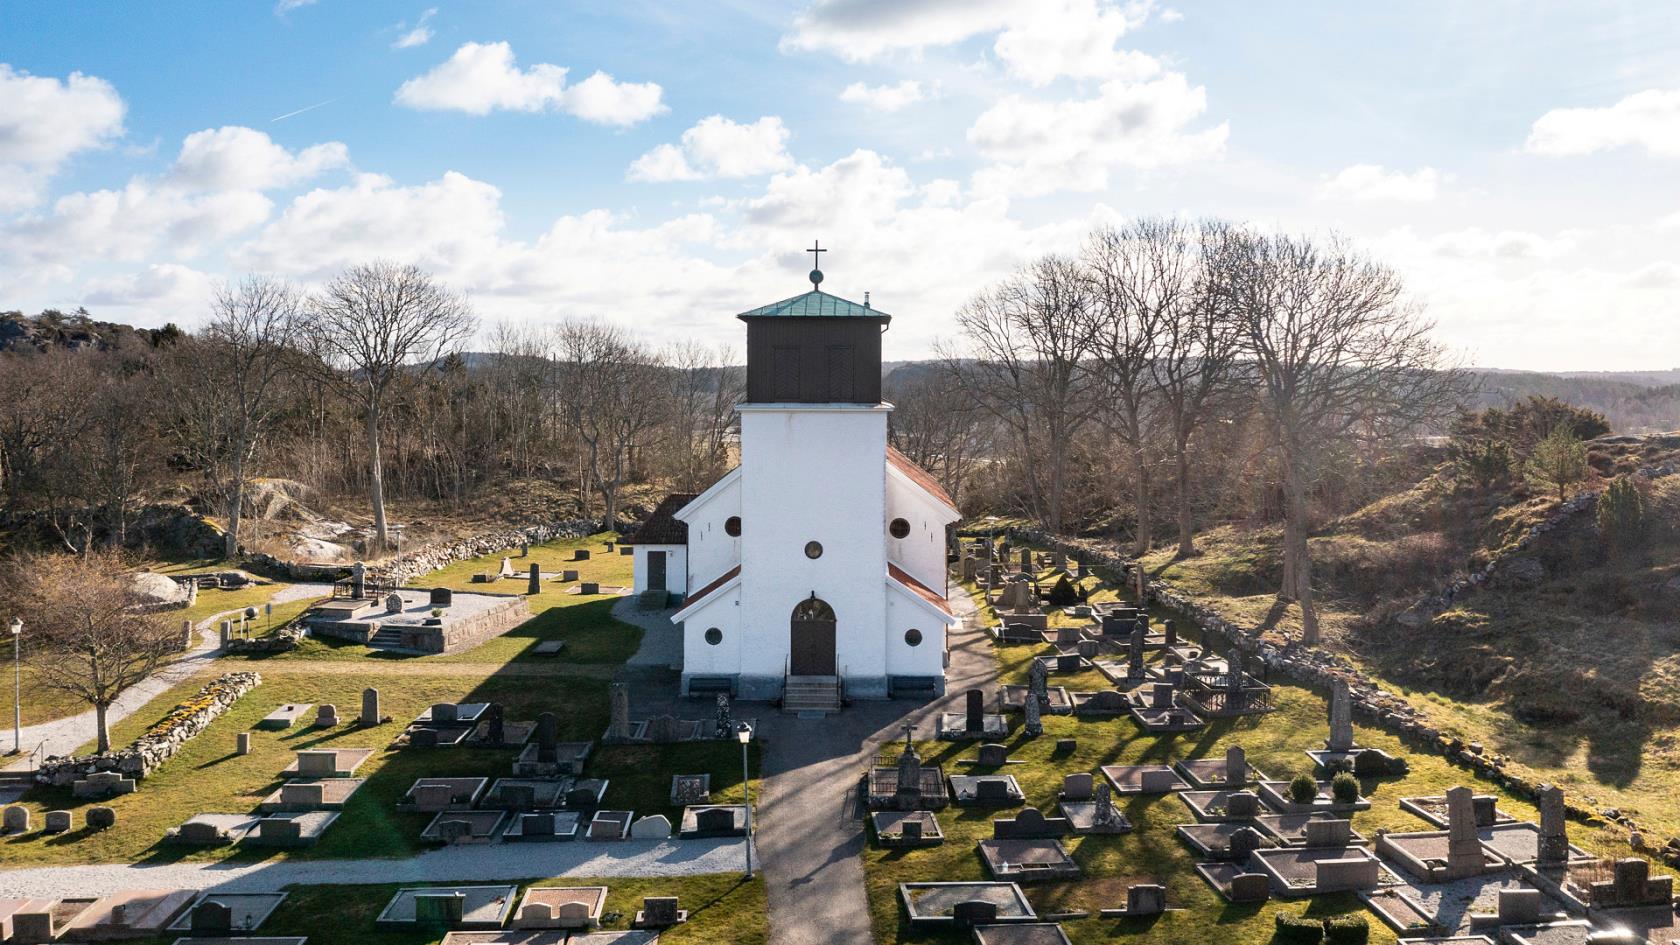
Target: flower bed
161	741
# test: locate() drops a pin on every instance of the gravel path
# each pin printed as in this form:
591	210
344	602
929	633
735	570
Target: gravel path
662	643
811	835
500	862
63	736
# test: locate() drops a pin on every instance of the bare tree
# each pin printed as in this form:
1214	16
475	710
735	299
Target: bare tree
1138	278
224	388
615	395
936	423
707	390
1193	366
1339	354
90	636
1029	337
370	324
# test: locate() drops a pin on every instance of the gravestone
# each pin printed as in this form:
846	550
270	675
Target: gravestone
1038	683
718	820
496	728
567	575
725	726
667	728
186	634
1087	649
1026	560
994	576
993	755
1345	874
1134	655
1486	809
317	763
326	715
433	796
908	795
1145	899
102	784
1234	680
1077	787
1341	717
660	911
1519	906
34	927
589	588
1033	724
572	915
1161	696
581	554
973	912
975	717
1105	814
101	818
295	794
226	630
1464	847
1241	804
910	831
58	821
370	707
991	789
524	549
519	796
445	712
1236	766
394	604
199	832
1554	841
358	580
534	586
1243	842
211	915
654	827
619	697
423	738
506	570
536	825
1329	833
1156	780
1170	631
439	910
280	830
454	831
242	743
15	820
1251	887
546	738
442	597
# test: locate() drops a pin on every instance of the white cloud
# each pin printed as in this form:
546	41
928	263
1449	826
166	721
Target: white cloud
860	30
420	35
161	285
237	158
1074	38
1660	275
1648	119
1043	146
132	224
287	6
483	77
717	147
448	223
1375	182
43	122
884	98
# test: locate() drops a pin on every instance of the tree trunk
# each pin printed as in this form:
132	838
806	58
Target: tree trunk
104	734
376	479
1141	501
1186	526
236	508
1298	557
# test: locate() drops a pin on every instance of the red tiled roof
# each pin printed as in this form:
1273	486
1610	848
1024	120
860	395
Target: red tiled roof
918	588
663	527
695	597
919	476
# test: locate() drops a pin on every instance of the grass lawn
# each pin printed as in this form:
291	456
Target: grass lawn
721	909
1152	852
593	637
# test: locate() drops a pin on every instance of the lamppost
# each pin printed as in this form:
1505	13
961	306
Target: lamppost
17	687
744	734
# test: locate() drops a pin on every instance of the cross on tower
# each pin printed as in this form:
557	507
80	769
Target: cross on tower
816	262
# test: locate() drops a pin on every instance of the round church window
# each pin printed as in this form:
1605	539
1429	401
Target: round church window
732	526
899	528
913	637
714	636
813	549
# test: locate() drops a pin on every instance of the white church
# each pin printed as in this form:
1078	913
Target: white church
815	570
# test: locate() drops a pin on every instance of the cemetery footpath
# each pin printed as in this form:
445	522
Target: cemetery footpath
492	862
64	736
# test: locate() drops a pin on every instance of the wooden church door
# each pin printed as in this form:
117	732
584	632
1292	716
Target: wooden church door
811	642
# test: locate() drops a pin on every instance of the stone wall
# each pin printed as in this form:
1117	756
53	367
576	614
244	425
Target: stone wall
409	565
162	740
1316	669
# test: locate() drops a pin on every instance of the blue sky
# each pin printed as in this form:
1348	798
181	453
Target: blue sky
663	165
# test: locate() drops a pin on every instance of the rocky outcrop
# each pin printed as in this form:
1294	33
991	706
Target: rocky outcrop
161	741
405	567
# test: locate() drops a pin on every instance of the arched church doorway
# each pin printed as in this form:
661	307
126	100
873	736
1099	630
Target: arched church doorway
811	647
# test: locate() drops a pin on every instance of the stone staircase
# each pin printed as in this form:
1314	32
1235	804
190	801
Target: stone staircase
811	695
387	638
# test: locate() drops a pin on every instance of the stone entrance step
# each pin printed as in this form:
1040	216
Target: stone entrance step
811	694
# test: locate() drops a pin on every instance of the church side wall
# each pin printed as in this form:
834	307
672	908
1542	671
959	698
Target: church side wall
723	658
925	659
711	551
922	552
813	474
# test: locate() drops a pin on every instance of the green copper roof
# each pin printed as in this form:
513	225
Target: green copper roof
815	304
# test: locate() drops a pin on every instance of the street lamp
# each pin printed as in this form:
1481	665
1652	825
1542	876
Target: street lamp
17	687
744	734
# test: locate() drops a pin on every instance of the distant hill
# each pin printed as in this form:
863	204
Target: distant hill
74	330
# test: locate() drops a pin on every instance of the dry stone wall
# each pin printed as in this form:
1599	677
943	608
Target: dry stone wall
162	740
405	567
